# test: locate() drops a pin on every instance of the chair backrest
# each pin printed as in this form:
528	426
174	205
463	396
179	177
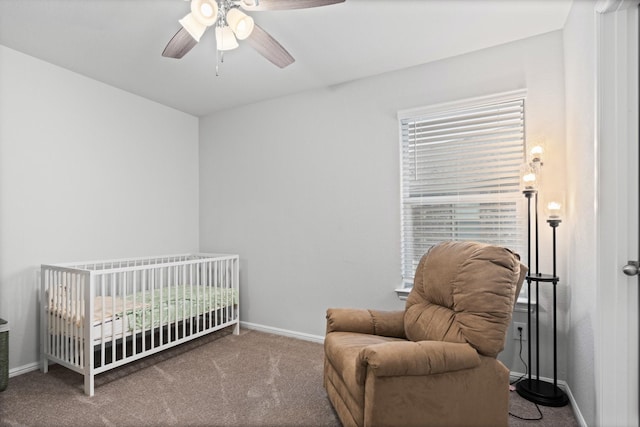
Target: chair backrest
464	292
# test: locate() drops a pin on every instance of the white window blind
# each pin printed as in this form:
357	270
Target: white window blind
461	176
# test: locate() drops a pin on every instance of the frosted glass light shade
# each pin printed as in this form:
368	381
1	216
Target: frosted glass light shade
554	210
554	206
528	177
225	40
205	11
194	27
240	23
536	153
529	181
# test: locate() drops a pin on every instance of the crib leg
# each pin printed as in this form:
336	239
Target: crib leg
88	385
44	366
236	329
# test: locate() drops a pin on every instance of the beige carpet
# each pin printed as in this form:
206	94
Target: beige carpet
254	379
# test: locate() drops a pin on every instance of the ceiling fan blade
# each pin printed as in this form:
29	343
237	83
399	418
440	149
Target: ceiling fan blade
268	47
285	4
179	45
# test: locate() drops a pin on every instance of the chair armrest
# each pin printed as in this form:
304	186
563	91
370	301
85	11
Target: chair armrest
403	358
374	322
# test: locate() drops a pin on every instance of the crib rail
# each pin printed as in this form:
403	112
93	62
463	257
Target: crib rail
140	262
101	315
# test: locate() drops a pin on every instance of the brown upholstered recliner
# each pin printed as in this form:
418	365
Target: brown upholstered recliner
433	364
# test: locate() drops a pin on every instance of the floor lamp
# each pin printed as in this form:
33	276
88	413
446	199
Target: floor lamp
535	389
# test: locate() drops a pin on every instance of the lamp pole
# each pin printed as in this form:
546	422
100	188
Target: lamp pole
554	223
529	193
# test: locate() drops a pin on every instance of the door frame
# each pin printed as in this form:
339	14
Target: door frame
616	345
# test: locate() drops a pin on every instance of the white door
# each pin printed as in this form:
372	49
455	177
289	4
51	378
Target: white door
617	293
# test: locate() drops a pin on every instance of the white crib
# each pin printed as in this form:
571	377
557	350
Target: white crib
96	316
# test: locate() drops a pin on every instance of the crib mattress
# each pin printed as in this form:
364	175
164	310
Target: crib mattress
144	310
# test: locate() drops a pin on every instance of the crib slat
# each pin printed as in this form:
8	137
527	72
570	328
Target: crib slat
184	283
227	303
197	309
189	314
225	286
65	309
144	312
134	289
209	289
58	318
216	279
160	301
177	274
89	299
73	343
152	288
81	297
112	293
102	334
123	287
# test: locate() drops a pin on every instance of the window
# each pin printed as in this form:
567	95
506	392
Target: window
460	179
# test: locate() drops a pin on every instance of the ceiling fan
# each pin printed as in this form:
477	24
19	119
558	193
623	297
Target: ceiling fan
232	24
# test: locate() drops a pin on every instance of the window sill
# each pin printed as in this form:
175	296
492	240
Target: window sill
521	303
402	293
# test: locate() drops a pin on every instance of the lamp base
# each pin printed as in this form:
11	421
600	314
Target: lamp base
541	392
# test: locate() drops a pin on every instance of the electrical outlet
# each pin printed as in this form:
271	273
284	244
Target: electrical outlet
516	332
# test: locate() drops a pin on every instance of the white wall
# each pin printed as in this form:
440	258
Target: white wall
579	42
86	172
306	187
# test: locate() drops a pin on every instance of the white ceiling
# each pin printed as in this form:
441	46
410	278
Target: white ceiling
119	42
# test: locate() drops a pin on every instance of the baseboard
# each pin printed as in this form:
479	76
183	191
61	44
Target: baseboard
576	410
14	372
565	387
285	332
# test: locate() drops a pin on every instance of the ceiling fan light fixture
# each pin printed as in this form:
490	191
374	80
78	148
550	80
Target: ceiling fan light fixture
225	40
193	26
230	22
205	11
241	24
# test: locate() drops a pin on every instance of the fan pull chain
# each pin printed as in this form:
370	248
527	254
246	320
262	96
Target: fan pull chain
217	62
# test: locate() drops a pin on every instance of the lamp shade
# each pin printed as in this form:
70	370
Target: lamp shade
528	177
554	210
194	27
536	153
205	11
240	23
225	40
554	205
